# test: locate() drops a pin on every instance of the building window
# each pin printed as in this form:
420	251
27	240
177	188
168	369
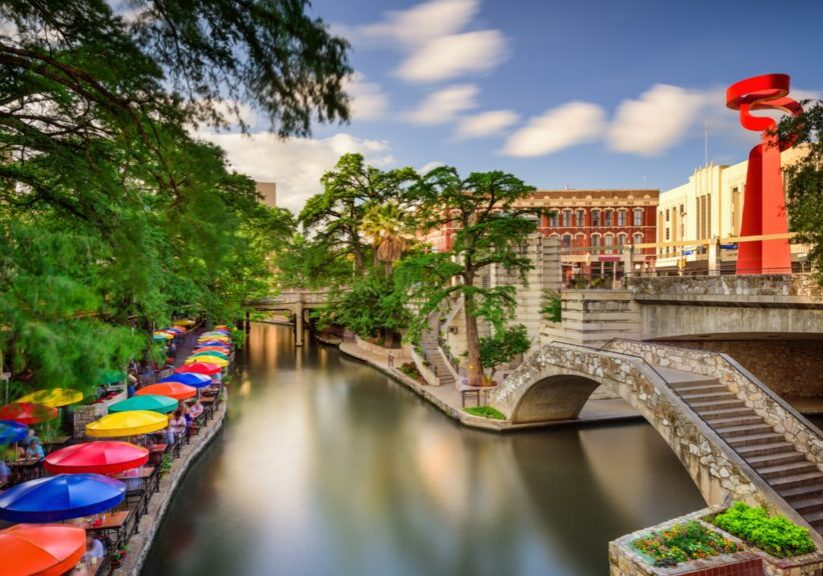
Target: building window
621	240
581	215
667	235
638	216
595	244
621	218
595	217
637	238
567	218
553	219
567	241
608	243
607	218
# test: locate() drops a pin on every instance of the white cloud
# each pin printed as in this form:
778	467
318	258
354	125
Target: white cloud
558	128
454	55
297	164
434	38
658	120
423	22
429	166
369	102
442	106
486	124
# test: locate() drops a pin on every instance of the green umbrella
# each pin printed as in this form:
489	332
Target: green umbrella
151	402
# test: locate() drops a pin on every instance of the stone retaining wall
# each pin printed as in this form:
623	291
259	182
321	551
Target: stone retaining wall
87	414
400	354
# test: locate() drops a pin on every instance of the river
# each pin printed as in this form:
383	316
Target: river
328	467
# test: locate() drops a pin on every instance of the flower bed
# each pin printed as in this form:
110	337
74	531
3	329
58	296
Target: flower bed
775	535
682	542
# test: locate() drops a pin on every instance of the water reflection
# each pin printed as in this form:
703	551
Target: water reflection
328	467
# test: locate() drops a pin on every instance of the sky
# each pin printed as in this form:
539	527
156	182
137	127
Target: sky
583	94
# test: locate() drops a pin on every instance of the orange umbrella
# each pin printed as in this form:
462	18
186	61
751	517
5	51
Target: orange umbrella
171	389
41	550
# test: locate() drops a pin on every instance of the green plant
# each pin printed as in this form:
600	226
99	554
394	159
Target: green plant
552	309
165	465
686	541
776	534
485	412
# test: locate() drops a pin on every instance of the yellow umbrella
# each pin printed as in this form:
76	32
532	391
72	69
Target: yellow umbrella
54	398
163	334
131	423
209	359
215	337
185	322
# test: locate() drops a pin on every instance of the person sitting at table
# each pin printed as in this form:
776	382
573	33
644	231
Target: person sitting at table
31	437
35	449
186	413
177	425
95	551
196	409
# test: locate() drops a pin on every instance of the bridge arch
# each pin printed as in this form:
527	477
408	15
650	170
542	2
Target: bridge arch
555	381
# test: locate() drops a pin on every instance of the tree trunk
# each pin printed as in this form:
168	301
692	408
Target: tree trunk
475	370
388	338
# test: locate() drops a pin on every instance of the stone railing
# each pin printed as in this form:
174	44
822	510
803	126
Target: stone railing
774	410
399	354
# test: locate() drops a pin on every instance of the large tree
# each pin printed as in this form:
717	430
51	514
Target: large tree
490	229
111	215
804	189
334	218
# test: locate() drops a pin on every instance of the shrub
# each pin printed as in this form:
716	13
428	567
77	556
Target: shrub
485	412
776	535
682	542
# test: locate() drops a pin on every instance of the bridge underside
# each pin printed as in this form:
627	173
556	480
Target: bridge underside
559	397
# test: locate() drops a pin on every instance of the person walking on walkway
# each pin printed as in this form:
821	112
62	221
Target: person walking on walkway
391	361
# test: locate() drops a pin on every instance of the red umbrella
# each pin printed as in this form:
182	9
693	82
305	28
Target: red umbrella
101	457
200	368
174	390
41	550
27	413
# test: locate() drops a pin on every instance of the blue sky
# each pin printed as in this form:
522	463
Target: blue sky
581	94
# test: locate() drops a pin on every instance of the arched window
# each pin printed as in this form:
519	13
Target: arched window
580	240
637	238
621	241
607	217
638	217
580	218
553	219
567	218
595	217
608	242
567	241
621	217
596	244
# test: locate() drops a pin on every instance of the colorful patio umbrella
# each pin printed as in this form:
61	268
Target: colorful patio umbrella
162	335
219	354
189	379
184	322
112	377
101	457
150	402
60	497
213	345
221	327
11	432
225	351
131	423
199	368
214	337
171	389
208	359
175	330
41	550
216	333
54	398
27	413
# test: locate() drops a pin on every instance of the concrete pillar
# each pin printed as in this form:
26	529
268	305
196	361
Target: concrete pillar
714	269
628	261
298	325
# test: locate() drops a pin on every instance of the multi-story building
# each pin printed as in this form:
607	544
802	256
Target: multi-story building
708	206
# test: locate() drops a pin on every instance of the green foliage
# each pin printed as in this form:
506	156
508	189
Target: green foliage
165	465
113	219
804	190
503	346
485	412
552	309
776	534
687	541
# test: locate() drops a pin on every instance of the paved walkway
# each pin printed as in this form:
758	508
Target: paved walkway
447	398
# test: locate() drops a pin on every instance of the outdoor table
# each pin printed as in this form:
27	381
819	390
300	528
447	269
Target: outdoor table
26	468
208	407
140	482
480	393
156	452
115	523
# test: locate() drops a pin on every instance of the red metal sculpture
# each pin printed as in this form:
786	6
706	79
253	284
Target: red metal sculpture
764	204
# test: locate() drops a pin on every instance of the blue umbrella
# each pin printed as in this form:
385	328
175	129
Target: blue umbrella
11	432
189	379
60	497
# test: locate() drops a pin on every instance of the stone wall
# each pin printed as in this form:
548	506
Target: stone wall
400	354
593	317
791	368
87	414
555	377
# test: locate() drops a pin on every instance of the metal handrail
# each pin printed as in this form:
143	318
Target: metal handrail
744	372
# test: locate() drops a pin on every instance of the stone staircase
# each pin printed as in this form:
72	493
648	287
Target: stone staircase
432	352
796	479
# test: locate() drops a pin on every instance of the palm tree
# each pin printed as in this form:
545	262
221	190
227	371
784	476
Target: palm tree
386	225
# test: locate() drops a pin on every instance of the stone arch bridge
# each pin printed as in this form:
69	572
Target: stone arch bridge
295	302
736	438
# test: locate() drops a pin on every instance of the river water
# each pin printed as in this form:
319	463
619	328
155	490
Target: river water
328	467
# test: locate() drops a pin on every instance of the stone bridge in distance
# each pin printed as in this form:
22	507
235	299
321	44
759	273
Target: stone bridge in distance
295	302
736	438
